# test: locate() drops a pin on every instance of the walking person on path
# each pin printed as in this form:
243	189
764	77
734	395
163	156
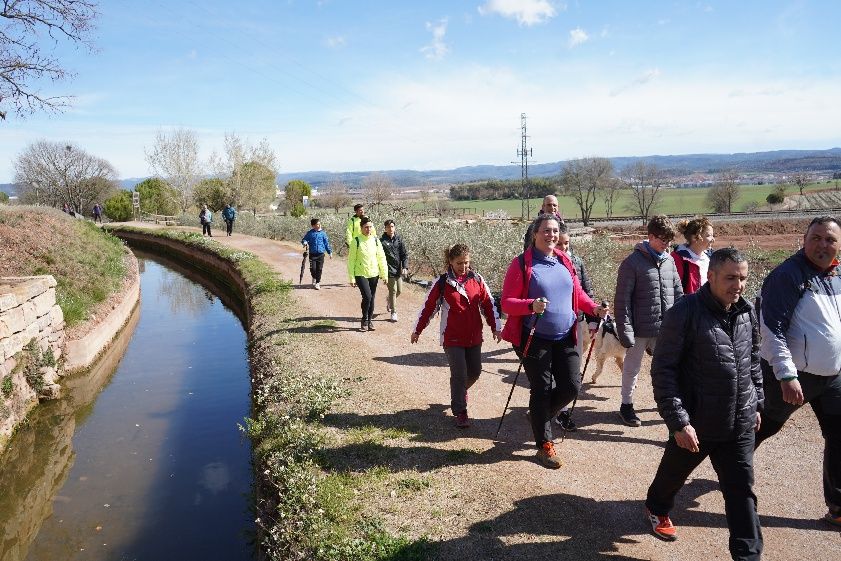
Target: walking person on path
692	259
354	224
317	244
646	287
800	323
543	281
397	259
97	213
229	214
462	297
366	266
708	387
205	217
586	324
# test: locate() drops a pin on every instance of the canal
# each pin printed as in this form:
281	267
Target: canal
142	458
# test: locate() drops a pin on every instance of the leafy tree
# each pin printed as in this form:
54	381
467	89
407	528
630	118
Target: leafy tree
295	190
257	185
118	208
4	198
25	63
645	181
584	179
777	196
214	193
54	173
298	210
157	197
723	195
175	158
335	196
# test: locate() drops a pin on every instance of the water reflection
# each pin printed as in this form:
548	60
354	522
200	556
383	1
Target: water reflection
153	467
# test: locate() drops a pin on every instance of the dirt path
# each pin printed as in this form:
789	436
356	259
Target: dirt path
489	500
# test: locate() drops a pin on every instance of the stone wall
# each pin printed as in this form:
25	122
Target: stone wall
31	341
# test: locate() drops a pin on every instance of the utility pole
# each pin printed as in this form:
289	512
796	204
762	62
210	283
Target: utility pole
524	154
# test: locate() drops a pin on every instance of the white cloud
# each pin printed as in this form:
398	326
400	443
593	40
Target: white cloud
437	48
645	78
577	36
526	12
336	41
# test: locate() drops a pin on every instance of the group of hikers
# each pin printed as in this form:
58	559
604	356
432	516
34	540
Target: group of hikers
726	372
229	214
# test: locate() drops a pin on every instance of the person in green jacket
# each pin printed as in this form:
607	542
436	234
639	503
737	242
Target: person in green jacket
366	265
354	224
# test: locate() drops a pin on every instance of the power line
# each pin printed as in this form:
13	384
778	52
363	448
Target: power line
524	153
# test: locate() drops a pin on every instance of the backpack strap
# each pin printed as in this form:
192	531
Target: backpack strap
442	284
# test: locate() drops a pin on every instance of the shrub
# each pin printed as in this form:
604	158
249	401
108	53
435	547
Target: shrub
118	208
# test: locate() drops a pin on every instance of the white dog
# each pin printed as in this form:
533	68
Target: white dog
607	345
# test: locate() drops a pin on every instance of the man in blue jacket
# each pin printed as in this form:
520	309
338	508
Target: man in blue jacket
801	346
229	214
708	388
318	244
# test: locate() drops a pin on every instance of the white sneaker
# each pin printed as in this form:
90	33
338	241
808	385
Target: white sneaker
393	316
318	286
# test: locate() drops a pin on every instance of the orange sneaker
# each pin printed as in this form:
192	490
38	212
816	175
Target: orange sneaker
662	526
548	456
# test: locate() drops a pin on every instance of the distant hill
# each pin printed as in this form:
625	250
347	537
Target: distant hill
777	161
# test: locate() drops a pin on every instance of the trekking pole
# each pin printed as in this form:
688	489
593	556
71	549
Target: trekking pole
519	368
304	264
584	370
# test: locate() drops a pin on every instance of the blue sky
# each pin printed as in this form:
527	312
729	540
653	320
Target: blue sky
346	85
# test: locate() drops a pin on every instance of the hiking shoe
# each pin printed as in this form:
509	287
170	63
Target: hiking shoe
462	421
834	519
318	286
662	526
371	326
629	416
548	457
364	327
565	420
393	316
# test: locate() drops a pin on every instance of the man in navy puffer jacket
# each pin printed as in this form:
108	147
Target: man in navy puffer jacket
708	387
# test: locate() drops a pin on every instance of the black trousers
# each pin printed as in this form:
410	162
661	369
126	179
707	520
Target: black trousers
368	289
553	371
316	266
733	462
823	393
205	228
229	225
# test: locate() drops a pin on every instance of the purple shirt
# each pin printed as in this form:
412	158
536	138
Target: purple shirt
550	279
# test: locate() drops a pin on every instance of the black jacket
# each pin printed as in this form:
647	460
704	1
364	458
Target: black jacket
705	370
396	255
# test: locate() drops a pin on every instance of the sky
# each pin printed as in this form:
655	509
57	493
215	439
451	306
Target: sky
348	85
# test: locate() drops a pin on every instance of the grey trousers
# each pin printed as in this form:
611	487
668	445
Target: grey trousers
465	367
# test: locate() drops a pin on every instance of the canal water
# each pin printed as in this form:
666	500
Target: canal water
142	458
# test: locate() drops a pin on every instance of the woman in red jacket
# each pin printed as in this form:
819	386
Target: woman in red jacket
463	297
692	258
542	281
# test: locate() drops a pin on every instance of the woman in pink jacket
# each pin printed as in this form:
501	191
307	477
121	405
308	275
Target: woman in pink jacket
463	297
541	290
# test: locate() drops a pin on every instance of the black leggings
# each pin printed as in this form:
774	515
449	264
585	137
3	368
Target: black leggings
316	266
205	228
368	289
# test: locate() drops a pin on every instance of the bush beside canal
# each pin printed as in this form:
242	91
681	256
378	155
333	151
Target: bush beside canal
305	506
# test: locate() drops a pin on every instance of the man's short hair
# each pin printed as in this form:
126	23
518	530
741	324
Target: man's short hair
823	220
314	221
725	254
388	222
661	227
357	206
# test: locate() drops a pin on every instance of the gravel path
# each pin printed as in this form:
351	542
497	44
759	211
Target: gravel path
487	499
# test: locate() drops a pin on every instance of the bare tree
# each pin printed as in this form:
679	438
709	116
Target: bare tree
645	181
611	190
722	196
175	158
250	171
801	179
377	189
335	195
584	179
54	173
23	60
